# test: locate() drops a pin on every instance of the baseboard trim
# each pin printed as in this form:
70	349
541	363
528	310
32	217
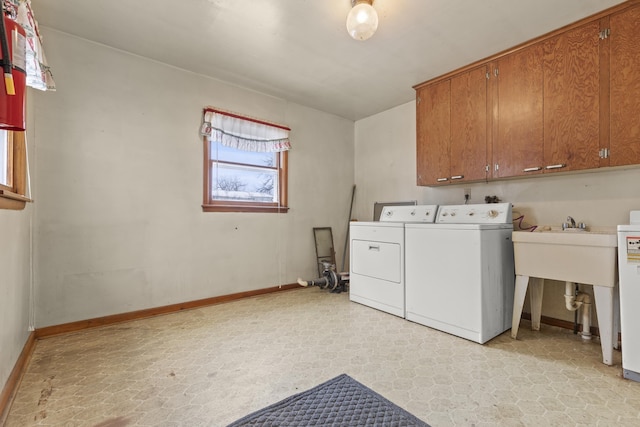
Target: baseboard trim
13	382
565	324
66	328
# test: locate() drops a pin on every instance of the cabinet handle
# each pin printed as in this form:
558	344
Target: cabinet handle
603	153
559	166
374	248
537	168
442	179
457	177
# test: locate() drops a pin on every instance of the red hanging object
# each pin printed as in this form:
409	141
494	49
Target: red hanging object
12	92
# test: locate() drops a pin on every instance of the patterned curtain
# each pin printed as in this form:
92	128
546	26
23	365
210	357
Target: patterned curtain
38	72
244	133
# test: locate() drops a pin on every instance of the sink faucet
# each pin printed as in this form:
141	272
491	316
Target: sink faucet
571	223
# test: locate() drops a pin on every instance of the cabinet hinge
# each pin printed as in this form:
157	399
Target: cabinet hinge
604	33
604	153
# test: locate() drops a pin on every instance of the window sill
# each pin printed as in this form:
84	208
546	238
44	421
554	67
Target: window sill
246	208
10	200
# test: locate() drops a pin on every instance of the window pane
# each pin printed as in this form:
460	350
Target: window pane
4	158
227	154
247	184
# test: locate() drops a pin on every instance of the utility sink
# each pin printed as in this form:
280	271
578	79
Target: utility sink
585	257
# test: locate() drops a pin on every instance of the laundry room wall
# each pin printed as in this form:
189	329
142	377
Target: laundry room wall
385	170
119	220
15	274
14	287
385	158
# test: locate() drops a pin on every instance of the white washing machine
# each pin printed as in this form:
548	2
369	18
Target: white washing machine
459	271
629	275
376	274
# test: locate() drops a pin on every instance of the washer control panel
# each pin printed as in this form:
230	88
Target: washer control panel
491	213
417	213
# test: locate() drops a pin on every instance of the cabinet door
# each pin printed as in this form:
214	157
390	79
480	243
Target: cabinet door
625	87
469	125
518	147
571	99
433	126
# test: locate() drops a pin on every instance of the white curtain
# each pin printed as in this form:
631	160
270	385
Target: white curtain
244	133
38	72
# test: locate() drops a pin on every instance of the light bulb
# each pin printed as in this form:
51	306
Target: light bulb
362	21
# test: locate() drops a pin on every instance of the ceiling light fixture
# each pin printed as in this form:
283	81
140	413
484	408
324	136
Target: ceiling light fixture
362	20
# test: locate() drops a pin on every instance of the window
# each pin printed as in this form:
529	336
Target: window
13	170
6	152
245	166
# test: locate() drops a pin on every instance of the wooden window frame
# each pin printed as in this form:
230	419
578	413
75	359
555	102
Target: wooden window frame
13	196
211	205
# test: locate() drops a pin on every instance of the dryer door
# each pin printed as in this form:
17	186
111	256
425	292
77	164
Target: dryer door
380	260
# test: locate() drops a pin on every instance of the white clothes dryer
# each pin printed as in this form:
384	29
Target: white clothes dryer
629	273
459	271
376	273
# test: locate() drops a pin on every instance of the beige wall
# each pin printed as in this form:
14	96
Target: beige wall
119	220
385	170
385	158
15	273
14	287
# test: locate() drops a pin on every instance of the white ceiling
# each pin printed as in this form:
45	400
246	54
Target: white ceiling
299	50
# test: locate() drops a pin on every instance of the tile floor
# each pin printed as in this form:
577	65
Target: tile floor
210	366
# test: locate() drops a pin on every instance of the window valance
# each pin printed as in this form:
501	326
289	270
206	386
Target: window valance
38	71
244	133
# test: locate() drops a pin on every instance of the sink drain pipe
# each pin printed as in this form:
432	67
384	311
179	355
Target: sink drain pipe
575	313
573	301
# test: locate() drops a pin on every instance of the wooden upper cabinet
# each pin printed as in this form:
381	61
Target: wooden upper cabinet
468	150
625	87
433	111
518	146
571	99
568	101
